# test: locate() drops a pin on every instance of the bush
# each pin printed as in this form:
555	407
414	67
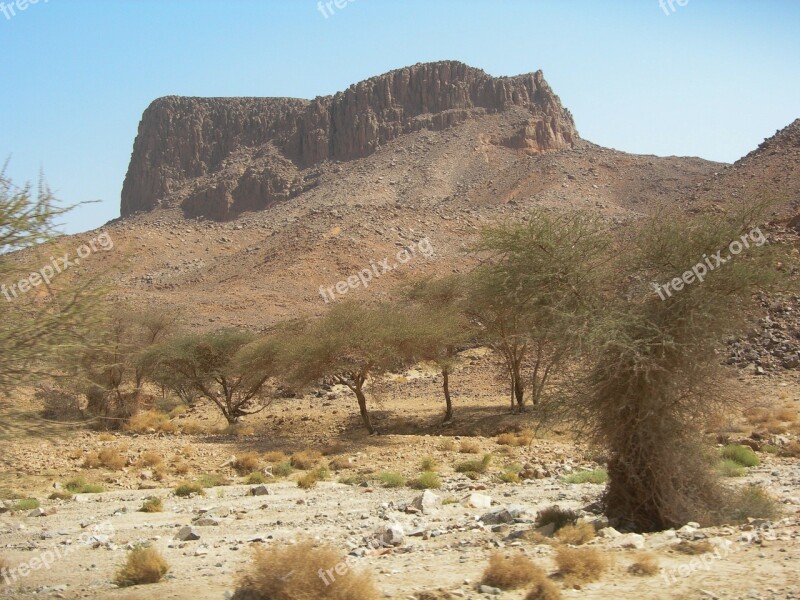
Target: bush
188	488
792	450
560	517
391	479
543	589
510	573
509	476
428	464
144	565
470	447
26	504
475	466
152	505
150	421
266	578
247	463
181	468
283	469
308	481
357	479
730	468
577	534
448	445
151	459
580	565
211	480
60	496
596	476
427	481
340	463
78	485
645	565
752	501
110	458
523	438
275	457
741	454
307	459
256	477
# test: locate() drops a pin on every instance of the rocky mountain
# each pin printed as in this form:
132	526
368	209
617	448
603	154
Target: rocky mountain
219	157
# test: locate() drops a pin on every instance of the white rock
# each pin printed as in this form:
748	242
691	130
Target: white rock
478	501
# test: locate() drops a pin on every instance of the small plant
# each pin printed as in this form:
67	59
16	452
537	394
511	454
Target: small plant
645	565
266	577
211	480
79	485
510	573
391	479
428	464
181	468
189	488
151	421
475	466
577	534
448	445
151	459
510	474
308	481
307	459
340	463
247	463
110	458
105	437
275	457
144	565
152	505
559	517
693	548
26	504
357	479
426	481
283	469
524	438
598	476
470	447
792	450
730	468
60	495
256	477
741	454
580	565
770	449
543	589
752	501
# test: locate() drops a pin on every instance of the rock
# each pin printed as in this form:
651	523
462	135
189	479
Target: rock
490	591
628	540
187	534
392	535
609	533
205	522
427	502
37	512
260	490
478	501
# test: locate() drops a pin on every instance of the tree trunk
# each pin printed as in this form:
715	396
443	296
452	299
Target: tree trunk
446	387
362	407
519	389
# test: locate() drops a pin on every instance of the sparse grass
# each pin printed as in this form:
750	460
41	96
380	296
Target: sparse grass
428	464
151	459
645	565
730	468
356	479
340	463
193	427
510	473
786	414
151	421
188	488
470	447
78	485
105	437
510	573
282	469
305	460
266	577
448	445
255	478
247	463
598	476
577	534
274	457
62	495
308	481
741	454
211	480
474	466
152	505
770	449
751	501
692	548
26	504
560	517
426	481
523	438
580	565
391	479
144	565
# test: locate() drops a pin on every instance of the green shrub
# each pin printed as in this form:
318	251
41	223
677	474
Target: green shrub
730	468
595	476
211	480
283	469
753	502
741	454
474	466
60	496
188	488
390	479
26	504
256	478
428	464
79	485
427	481
356	479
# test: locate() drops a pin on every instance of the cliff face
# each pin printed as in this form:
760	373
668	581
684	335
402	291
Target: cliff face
221	156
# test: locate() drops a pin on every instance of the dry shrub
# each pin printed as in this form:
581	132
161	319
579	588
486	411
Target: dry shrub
757	416
470	447
560	517
308	481
510	573
267	577
447	445
151	458
752	501
786	414
150	421
247	463
275	457
506	439
791	450
181	468
59	404
580	565
159	472
105	437
144	565
335	447
693	548
193	427
645	565
577	534
543	589
307	459
4	564
152	504
340	463
75	454
110	458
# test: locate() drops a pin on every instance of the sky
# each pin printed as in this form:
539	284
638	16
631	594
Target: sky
708	78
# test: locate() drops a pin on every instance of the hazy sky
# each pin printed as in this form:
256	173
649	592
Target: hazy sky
711	79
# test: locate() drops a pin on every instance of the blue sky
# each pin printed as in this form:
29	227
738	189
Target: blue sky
711	79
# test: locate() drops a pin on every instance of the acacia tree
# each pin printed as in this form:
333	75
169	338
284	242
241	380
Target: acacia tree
229	368
536	292
648	396
349	344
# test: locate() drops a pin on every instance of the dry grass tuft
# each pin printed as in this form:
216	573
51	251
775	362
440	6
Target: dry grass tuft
577	534
307	459
276	456
543	589
580	565
151	459
447	445
193	427
308	481
645	565
247	463
105	437
144	565
340	463
791	450
152	505
510	573
110	458
523	438
151	421
267	579
470	447
181	468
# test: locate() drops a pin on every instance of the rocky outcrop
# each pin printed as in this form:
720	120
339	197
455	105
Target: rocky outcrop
221	156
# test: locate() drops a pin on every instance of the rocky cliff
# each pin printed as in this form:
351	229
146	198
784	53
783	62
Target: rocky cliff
218	157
